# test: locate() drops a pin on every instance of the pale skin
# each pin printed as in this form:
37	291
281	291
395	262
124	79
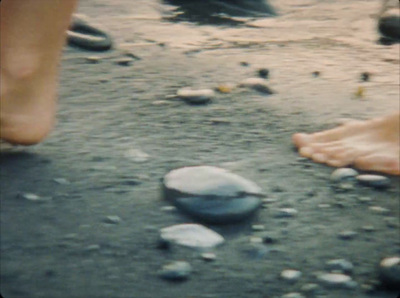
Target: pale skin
32	38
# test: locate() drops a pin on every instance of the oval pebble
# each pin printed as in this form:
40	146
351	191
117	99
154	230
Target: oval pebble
191	235
340	264
212	194
293	295
177	271
290	275
343	174
335	280
389	272
257	84
200	96
376	181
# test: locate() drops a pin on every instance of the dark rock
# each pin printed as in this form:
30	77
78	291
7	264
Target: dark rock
263	73
389	272
364	77
212	194
176	271
316	74
389	27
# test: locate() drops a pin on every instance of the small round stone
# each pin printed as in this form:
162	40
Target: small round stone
286	212
208	256
112	219
200	96
316	74
257	84
212	194
343	174
191	235
364	199
291	275
379	210
342	265
124	61
335	280
389	272
364	77
263	73
176	271
93	59
347	235
258	227
293	295
376	181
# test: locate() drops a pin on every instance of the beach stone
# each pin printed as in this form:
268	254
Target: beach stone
342	265
368	228
61	181
112	219
258	227
263	73
364	199
343	174
310	288
291	275
336	280
347	235
208	256
379	210
200	96
376	181
389	272
191	235
176	271
286	212
124	61
293	295
93	59
258	84
33	197
212	194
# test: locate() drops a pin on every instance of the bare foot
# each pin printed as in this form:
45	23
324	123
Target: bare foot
372	145
32	37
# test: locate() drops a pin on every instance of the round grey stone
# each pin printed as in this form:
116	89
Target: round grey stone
376	181
343	174
291	275
389	272
212	194
340	264
200	96
177	271
191	235
336	280
379	210
112	219
293	295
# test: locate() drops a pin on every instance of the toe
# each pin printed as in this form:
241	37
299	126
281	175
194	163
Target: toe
378	163
300	139
306	152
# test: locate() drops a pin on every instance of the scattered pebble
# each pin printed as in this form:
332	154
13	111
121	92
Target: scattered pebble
368	228
258	227
343	174
286	212
212	194
225	88
33	197
364	77
347	235
93	59
379	209
196	97
342	265
92	247
62	181
269	238
244	63
112	219
168	208
345	187
124	61
389	272
360	92
161	103
208	256
256	250
293	295
256	240
269	200
176	271
309	288
263	73
257	84
364	199
376	181
191	235
137	155
291	275
336	280
316	74
324	206
392	222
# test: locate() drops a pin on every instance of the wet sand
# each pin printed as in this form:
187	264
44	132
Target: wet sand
107	109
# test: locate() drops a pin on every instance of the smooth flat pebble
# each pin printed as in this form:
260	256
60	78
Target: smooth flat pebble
291	275
376	181
176	271
293	295
340	264
257	84
286	212
343	174
33	197
379	210
347	235
336	280
191	235
199	96
389	272
212	194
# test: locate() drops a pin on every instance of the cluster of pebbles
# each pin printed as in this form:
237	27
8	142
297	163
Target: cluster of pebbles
204	96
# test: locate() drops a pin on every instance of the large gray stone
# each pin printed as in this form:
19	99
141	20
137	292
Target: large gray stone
212	194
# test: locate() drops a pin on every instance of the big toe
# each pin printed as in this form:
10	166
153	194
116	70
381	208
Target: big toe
301	139
378	163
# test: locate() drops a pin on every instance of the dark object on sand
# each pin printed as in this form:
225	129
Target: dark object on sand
263	73
364	77
389	28
219	12
85	36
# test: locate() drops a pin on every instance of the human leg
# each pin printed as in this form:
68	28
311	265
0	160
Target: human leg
32	38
